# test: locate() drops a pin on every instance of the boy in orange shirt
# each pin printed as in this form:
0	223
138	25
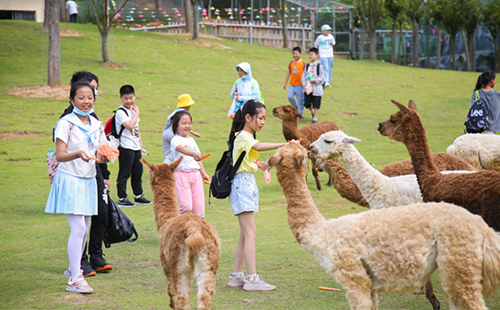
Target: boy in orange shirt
295	71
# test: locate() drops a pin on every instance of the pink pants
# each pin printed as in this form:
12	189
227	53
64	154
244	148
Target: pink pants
190	194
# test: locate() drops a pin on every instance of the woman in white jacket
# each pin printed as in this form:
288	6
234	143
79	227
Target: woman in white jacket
244	88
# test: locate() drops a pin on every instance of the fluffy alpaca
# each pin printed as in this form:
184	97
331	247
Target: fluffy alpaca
477	192
189	245
479	150
395	249
290	122
348	189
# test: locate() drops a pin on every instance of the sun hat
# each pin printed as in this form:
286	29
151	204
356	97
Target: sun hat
325	27
184	100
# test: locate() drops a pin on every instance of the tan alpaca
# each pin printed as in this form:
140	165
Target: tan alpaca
189	245
308	134
392	250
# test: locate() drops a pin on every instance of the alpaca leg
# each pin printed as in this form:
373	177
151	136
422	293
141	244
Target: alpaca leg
315	174
374	300
359	288
206	289
429	292
183	285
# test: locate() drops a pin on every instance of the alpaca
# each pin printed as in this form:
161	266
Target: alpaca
290	121
477	192
189	245
347	189
480	150
395	249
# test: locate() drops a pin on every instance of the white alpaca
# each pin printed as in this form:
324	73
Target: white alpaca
480	150
379	190
392	250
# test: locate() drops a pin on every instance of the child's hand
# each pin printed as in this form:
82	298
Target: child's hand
263	165
194	133
207	179
81	154
197	156
293	141
312	80
135	108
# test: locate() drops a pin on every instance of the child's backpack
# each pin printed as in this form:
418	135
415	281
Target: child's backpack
317	68
261	96
110	128
477	118
224	172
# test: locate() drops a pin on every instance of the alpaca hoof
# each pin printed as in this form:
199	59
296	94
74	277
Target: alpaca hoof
328	184
436	305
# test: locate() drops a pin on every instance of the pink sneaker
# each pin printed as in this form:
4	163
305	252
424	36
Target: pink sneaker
257	284
236	280
80	285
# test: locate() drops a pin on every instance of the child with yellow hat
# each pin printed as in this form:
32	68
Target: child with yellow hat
184	103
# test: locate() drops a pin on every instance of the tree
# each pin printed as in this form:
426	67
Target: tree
282	8
437	18
62	11
492	22
395	10
368	12
413	11
104	20
52	22
471	15
188	8
451	23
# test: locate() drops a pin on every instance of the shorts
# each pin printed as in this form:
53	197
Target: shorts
315	100
244	196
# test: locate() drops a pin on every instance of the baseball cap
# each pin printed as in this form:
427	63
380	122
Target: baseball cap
325	27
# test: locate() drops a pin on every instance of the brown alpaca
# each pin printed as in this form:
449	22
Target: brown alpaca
290	121
348	189
377	251
477	192
189	245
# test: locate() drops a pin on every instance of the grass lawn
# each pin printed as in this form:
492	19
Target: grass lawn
33	252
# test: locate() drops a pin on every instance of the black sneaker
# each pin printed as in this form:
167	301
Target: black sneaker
140	200
88	271
124	202
98	262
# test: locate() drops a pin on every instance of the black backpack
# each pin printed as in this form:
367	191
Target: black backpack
120	227
477	118
110	128
224	172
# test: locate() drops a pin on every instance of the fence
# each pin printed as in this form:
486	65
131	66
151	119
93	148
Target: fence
267	35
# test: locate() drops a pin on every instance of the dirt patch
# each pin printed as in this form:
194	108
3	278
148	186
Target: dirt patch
112	65
17	134
203	43
64	32
45	91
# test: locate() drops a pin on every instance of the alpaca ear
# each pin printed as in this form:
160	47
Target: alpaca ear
401	107
174	165
350	140
274	160
150	166
412	105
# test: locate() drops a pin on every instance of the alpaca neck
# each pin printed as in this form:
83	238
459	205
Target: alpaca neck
165	205
304	219
291	129
418	148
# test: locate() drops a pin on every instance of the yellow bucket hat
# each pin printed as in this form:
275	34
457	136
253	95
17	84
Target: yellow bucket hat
184	100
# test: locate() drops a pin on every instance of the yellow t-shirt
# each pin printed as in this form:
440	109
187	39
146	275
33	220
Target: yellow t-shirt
244	142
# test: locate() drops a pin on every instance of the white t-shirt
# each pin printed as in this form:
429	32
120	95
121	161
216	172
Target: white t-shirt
324	46
130	139
187	162
72	7
76	140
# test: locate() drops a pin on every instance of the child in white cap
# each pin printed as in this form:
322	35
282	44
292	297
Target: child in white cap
325	43
184	103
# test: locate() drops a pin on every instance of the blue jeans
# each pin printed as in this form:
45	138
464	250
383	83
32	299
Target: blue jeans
327	63
296	91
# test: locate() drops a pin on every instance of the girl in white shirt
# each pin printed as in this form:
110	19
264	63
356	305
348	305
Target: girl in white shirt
74	189
189	173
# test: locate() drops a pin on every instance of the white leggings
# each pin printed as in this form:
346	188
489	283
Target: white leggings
79	225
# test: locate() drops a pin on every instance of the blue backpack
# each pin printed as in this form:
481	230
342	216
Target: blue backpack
477	118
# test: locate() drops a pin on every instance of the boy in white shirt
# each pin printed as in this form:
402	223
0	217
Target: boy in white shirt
325	44
130	147
73	10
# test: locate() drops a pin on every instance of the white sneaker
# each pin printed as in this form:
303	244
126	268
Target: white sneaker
80	285
328	85
257	284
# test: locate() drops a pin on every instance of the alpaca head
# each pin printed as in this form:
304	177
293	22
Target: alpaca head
161	174
291	158
396	127
332	145
286	112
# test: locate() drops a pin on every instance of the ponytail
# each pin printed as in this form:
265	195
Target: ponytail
484	79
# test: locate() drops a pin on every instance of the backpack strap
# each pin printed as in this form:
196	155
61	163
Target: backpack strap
477	95
122	127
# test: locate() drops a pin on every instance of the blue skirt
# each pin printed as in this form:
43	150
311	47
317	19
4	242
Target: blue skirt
72	195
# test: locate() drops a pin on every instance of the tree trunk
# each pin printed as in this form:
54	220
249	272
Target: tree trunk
467	57
187	13
283	19
473	52
373	41
239	10
415	43
54	68
438	52
400	45
452	51
158	6
46	13
104	47
393	43
428	44
195	19
362	45
497	52
62	11
404	50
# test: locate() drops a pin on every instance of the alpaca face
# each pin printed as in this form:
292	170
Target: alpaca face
394	127
291	156
286	112
161	172
332	145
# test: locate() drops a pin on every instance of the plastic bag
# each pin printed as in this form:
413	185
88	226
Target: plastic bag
109	151
267	176
230	112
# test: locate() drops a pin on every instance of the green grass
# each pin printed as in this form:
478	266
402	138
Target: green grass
160	67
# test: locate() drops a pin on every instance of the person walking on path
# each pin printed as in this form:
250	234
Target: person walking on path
295	90
325	43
